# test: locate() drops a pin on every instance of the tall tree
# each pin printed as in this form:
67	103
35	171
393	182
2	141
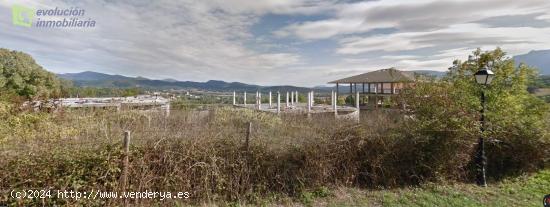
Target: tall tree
20	74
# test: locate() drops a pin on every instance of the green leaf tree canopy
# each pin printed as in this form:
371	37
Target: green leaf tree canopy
447	113
454	101
21	75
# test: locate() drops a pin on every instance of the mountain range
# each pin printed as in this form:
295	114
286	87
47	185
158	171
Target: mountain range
95	79
539	59
536	58
102	80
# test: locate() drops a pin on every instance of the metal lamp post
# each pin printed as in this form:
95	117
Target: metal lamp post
484	78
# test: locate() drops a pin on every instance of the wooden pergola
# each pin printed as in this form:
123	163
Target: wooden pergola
379	83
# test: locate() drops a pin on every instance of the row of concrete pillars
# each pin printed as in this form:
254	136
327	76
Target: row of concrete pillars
292	99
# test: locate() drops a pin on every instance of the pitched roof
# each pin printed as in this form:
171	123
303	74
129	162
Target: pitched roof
389	75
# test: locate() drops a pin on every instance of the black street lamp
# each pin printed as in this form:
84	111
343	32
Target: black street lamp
483	77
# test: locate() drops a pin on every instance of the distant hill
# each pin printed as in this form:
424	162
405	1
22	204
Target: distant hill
93	76
539	59
95	79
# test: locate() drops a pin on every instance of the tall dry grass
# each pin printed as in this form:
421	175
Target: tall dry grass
203	153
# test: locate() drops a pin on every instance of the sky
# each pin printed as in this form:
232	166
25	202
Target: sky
275	42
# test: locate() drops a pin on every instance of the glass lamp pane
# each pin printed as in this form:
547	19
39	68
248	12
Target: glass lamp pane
481	79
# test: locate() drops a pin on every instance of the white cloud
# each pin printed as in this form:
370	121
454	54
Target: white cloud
210	39
423	15
188	40
381	42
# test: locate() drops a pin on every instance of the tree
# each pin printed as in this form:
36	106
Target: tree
20	74
517	121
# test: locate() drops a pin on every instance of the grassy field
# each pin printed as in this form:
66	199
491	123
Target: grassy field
521	191
526	190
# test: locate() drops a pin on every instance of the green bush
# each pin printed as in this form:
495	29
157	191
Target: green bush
19	73
517	122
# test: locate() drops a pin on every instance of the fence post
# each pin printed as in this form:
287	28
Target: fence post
125	162
247	142
248	154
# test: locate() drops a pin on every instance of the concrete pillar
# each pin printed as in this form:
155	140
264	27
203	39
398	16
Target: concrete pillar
244	98
259	100
297	101
270	99
309	95
292	98
287	99
335	103
332	99
234	98
167	111
278	102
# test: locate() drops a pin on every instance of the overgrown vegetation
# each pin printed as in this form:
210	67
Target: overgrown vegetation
203	151
516	120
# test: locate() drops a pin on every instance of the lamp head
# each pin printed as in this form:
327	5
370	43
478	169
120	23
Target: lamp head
484	76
